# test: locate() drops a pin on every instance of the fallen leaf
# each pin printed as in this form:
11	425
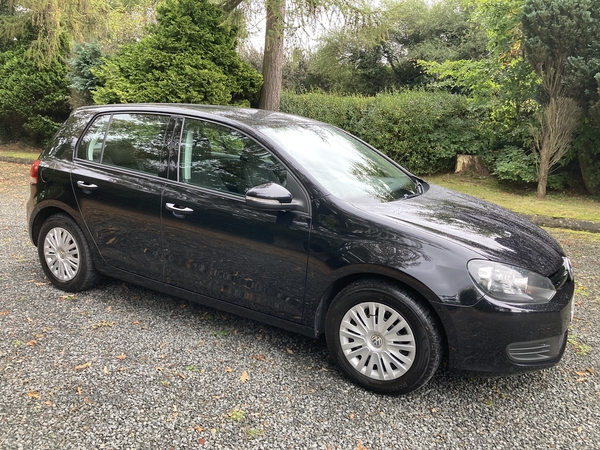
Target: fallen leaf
260	357
121	357
201	441
244	376
4	313
228	369
82	366
290	351
78	390
136	322
105	370
180	375
590	370
109	309
582	373
48	403
31	343
161	346
111	240
33	394
352	416
198	428
360	446
88	401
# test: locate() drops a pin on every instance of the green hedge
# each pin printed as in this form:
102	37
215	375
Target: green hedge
423	131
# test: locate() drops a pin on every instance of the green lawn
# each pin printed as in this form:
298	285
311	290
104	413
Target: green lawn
522	200
17	150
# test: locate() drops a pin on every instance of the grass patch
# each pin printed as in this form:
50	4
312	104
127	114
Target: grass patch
522	200
19	150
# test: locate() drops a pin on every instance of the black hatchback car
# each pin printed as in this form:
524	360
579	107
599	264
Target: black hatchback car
298	224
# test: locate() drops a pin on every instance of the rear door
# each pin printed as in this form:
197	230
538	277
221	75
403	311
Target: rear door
118	189
217	245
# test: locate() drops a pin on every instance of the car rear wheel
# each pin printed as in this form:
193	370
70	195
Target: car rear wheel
65	255
382	338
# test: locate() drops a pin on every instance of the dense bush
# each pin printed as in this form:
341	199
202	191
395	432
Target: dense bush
34	100
188	57
423	131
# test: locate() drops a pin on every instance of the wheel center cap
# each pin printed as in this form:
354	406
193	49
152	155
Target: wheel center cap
377	340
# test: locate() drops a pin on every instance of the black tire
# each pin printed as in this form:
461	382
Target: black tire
383	354
65	255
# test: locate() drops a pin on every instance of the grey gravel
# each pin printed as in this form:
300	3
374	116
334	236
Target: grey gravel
122	367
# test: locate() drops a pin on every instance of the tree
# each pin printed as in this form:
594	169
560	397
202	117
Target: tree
273	59
385	55
189	56
56	23
33	102
279	15
556	31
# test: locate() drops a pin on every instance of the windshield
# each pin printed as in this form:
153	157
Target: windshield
343	165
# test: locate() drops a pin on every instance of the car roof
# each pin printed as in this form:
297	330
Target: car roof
246	116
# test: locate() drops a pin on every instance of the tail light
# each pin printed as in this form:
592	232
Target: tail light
34	172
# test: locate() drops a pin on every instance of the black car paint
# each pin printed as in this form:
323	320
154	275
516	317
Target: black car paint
422	242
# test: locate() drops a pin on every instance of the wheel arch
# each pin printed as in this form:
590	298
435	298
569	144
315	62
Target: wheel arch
43	214
413	287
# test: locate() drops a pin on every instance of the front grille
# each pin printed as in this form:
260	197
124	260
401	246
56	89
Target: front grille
535	351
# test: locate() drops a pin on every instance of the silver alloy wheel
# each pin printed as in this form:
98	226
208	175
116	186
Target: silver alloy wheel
377	341
61	254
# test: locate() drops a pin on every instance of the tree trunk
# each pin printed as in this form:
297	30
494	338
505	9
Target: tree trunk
544	167
270	94
472	164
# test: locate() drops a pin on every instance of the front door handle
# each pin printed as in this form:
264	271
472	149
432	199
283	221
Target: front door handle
178	211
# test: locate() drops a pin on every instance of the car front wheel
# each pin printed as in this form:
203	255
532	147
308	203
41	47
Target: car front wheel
382	338
65	255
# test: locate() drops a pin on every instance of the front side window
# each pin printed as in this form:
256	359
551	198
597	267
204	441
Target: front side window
220	158
130	141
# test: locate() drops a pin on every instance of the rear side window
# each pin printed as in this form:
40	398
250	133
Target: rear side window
131	141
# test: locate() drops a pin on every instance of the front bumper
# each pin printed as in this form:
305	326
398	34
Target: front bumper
498	338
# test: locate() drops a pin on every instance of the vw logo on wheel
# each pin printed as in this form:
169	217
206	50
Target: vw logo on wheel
376	340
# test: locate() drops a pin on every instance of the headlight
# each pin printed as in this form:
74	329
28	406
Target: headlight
509	283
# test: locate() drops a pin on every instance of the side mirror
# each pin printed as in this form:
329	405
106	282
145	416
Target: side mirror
271	196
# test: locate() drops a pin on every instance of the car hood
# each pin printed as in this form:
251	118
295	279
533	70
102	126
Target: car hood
492	231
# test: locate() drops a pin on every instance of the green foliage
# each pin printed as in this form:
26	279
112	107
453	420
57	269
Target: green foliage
513	164
85	58
423	131
33	102
189	56
382	54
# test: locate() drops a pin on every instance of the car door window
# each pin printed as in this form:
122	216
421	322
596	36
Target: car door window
221	158
90	147
133	141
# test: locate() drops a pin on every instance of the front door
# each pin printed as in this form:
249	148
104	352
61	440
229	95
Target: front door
218	246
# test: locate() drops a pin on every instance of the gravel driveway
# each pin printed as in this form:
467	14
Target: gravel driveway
122	367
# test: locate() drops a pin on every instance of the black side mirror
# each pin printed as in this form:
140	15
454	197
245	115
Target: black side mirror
271	196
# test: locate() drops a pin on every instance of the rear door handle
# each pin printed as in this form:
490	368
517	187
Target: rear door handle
86	186
178	209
